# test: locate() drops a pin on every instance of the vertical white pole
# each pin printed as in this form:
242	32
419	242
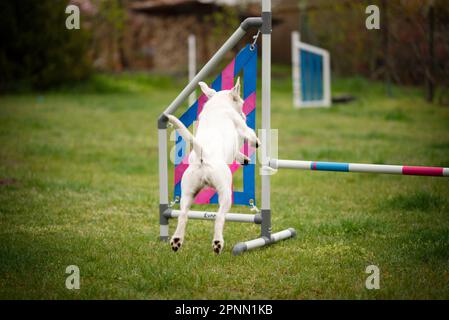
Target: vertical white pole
266	120
163	183
295	68
192	64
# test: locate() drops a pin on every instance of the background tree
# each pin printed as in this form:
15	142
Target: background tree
37	50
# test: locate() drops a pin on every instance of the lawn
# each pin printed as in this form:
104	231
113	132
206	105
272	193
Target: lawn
79	186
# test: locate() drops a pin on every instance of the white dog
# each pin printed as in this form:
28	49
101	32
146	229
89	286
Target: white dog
216	145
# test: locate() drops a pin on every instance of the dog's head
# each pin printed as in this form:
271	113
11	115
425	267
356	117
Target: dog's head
232	97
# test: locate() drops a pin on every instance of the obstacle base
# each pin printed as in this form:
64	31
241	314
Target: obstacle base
241	247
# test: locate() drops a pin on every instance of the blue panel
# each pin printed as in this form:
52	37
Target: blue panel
250	75
242	197
316	76
178	190
320	79
249	180
330	166
303	58
306	75
216	85
190	115
242	58
311	73
249	86
311	84
214	198
251	119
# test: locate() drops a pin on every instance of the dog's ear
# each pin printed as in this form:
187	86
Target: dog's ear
236	89
209	92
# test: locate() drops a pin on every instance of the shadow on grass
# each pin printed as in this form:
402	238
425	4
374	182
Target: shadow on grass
421	201
352	227
426	245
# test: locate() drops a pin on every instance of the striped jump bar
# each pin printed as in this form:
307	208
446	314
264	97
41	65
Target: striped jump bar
358	167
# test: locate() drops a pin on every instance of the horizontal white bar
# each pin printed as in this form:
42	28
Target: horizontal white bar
256	243
290	164
311	48
446	172
206	215
375	168
284	234
163	230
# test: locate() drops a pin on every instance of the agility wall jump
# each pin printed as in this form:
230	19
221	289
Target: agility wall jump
263	218
311	74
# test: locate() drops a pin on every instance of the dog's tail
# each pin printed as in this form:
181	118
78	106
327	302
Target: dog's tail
185	133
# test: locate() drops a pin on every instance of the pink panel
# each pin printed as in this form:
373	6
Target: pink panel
227	77
250	103
201	102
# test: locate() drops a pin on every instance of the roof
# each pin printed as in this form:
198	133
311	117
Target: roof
167	6
185	6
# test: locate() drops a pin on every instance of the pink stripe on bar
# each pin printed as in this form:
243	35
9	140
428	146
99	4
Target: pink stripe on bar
422	171
250	103
227	76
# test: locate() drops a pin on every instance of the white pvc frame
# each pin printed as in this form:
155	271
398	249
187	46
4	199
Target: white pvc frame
191	44
298	102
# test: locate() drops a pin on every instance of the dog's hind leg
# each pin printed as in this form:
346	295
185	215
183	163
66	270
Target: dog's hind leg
225	201
189	187
178	237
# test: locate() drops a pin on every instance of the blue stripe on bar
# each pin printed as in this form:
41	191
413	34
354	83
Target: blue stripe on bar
330	166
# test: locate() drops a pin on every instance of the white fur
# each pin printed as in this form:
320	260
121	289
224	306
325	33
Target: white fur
215	146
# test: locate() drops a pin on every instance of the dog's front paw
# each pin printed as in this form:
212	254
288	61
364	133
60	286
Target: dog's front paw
254	140
242	159
217	246
176	243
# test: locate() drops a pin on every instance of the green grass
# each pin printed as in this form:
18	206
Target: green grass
79	185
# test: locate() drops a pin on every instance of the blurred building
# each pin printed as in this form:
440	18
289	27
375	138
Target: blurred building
159	30
152	34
